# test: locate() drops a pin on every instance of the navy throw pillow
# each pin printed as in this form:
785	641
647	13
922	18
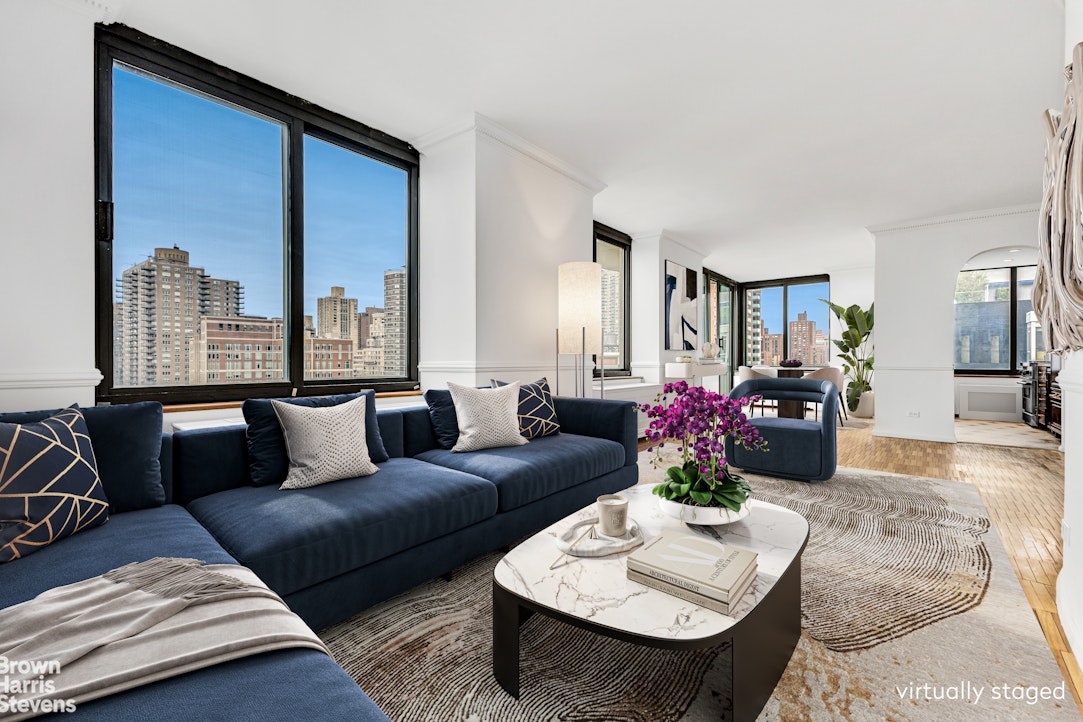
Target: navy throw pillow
537	414
49	485
268	460
127	441
445	423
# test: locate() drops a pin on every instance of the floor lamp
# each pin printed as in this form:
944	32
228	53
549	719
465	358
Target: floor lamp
579	319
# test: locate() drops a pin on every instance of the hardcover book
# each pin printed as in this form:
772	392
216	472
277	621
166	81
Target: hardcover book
700	565
690	596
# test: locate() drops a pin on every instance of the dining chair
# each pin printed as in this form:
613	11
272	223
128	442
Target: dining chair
834	375
745	373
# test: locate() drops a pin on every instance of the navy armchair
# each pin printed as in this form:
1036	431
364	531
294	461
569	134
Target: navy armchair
796	448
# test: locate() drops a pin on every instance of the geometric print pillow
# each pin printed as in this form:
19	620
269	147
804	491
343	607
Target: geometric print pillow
537	414
49	485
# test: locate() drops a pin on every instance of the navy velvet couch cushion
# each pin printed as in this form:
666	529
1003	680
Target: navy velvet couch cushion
445	423
296	538
127	441
603	418
208	460
267	456
249	688
133	537
544	466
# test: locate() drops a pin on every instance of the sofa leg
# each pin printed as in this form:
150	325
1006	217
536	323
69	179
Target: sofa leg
447	577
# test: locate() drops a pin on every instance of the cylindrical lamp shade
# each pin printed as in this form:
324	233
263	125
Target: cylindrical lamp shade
579	306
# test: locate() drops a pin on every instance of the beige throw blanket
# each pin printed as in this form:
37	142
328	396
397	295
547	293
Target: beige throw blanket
135	625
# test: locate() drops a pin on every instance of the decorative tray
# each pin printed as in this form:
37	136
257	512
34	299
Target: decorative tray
580	542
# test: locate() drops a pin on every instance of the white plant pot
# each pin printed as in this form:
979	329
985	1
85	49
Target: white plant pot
709	515
865	406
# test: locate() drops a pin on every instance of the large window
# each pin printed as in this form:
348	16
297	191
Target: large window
787	320
249	243
992	333
612	250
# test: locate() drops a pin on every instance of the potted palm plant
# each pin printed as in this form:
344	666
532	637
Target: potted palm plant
856	352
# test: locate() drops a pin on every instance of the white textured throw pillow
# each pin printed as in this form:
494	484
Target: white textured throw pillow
488	418
325	443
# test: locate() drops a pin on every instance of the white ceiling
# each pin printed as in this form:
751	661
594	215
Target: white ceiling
769	135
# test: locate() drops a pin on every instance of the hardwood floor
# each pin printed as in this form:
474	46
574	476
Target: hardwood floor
1023	490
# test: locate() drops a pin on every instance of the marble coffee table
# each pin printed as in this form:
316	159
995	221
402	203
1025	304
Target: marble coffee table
595	594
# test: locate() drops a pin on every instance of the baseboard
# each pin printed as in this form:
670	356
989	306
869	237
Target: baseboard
1068	622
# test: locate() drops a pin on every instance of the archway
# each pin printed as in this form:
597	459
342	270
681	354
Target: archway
996	336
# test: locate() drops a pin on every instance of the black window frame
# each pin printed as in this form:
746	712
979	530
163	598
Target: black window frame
735	309
784	283
1013	326
120	43
607	234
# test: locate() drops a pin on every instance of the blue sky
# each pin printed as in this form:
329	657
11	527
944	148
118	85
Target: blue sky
804	298
209	178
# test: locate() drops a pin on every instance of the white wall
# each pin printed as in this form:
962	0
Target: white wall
47	208
916	269
649	255
1070	581
448	223
850	285
489	275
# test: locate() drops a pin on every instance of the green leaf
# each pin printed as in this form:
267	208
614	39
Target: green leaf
730	504
700	497
676	475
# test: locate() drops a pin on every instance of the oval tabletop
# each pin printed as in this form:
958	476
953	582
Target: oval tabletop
598	591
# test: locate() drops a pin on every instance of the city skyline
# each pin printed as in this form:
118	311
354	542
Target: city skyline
176	324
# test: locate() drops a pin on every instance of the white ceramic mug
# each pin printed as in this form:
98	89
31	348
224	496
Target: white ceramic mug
613	514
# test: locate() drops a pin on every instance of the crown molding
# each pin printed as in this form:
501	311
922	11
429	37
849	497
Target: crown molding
660	233
99	11
490	130
56	379
956	218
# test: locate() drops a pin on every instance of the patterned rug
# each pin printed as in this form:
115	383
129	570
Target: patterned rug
877	540
883	558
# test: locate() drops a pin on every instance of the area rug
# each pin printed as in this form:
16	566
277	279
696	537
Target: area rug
973	652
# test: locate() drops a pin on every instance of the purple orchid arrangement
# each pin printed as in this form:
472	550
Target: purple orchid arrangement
699	421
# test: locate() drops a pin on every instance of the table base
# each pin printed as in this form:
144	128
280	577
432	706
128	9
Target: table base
758	649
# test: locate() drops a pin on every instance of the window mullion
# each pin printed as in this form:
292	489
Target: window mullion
295	273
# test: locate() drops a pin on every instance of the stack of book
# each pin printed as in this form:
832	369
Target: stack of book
694	568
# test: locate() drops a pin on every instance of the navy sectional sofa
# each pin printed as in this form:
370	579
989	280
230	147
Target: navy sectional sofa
329	551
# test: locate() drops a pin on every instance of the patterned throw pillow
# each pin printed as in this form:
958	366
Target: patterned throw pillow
488	418
324	443
268	462
49	485
537	414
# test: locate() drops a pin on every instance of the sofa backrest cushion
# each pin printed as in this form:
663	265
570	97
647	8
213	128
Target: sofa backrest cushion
209	460
206	461
417	431
127	440
445	424
390	422
267	458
